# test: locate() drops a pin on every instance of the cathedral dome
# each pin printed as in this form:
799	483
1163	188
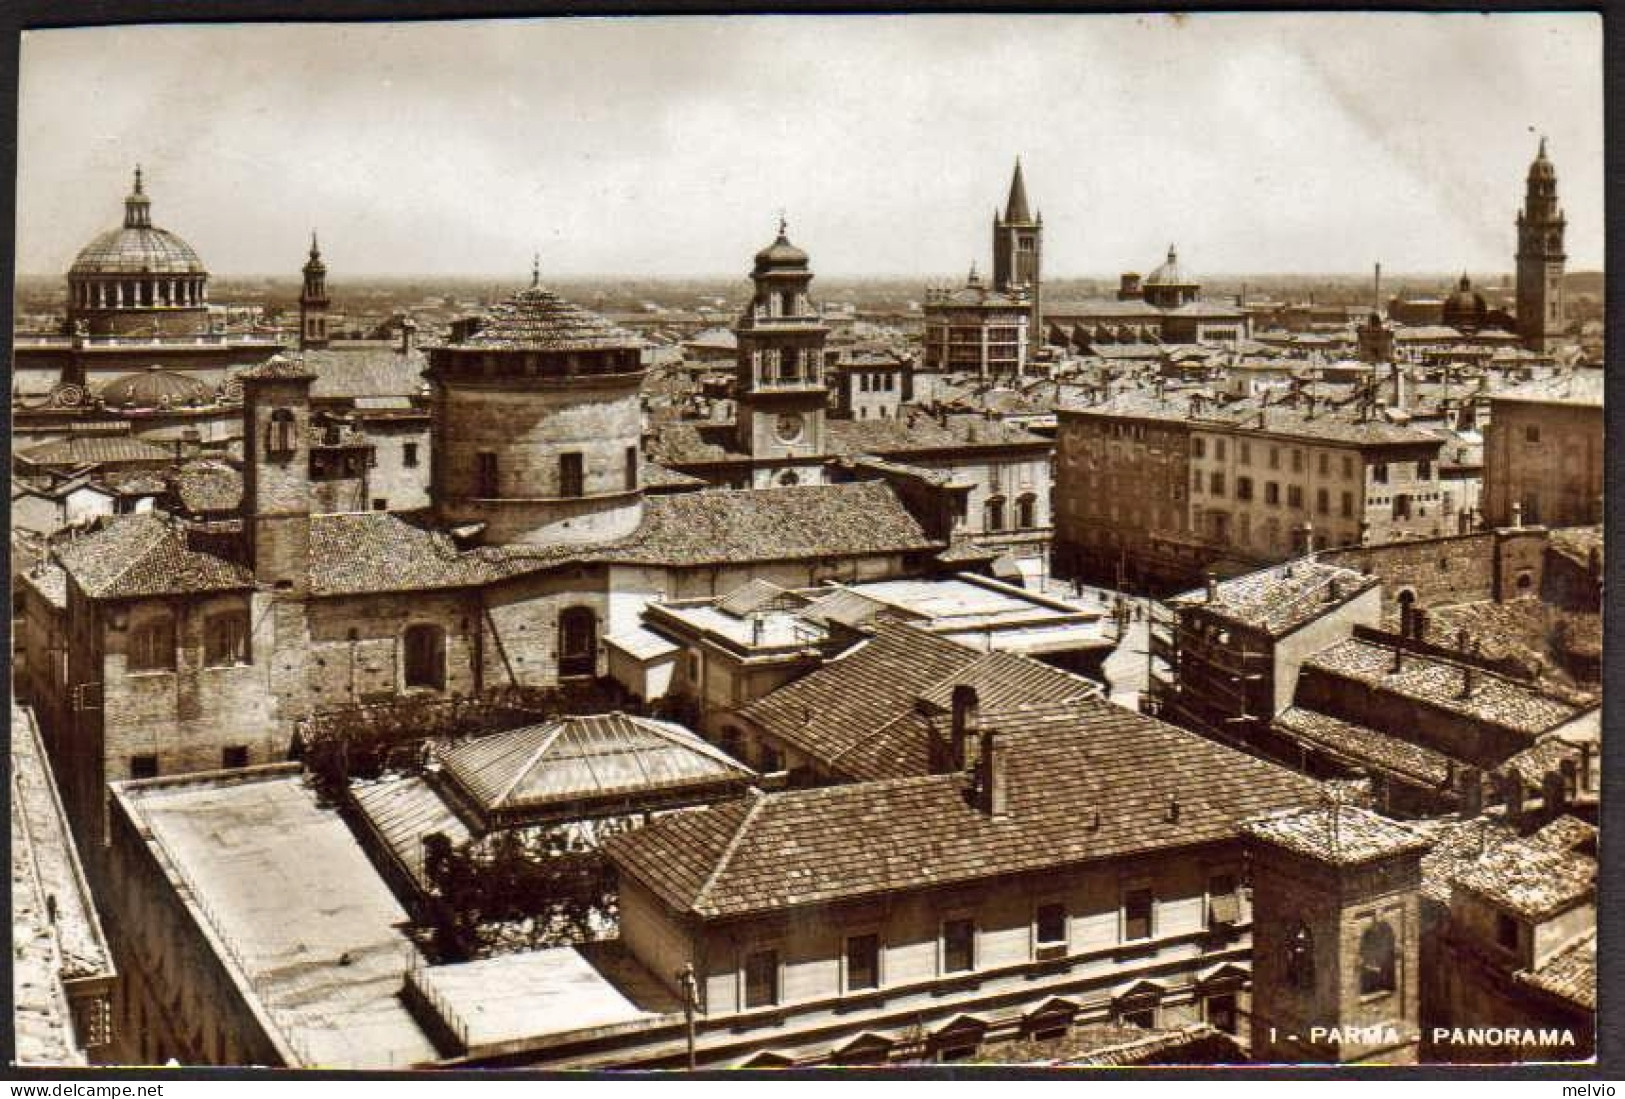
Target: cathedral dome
1170	273
137	247
155	387
1465	308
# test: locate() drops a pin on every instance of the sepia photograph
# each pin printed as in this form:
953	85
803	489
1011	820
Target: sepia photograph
808	542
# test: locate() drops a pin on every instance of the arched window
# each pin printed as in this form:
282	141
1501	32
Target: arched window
578	642
1377	959
994	513
1027	511
1300	957
424	659
280	433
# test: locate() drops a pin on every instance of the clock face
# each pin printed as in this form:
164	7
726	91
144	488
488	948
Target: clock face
788	426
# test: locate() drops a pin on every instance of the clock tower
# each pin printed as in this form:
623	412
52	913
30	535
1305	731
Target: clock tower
781	388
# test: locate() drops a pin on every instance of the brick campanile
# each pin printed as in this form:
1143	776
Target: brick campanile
276	473
1336	936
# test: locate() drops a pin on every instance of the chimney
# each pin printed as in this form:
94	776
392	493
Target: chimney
1399	657
1376	289
1212	588
1514	798
1472	793
1585	766
1552	793
966	724
1469	680
1517	514
755	630
1571	780
993	787
1334	590
1419	623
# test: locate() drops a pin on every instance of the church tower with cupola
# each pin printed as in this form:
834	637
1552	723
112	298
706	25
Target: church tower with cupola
1018	250
313	301
1540	257
780	372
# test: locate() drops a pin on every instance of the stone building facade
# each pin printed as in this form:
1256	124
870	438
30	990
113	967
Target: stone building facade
1544	452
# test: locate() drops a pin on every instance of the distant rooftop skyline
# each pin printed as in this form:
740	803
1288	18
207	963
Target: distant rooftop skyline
1259	143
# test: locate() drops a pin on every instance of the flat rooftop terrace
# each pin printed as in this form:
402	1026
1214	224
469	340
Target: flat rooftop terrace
306	919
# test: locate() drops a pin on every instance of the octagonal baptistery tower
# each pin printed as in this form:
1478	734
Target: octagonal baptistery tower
138	279
537	423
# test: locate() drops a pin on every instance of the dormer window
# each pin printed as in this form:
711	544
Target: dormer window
280	432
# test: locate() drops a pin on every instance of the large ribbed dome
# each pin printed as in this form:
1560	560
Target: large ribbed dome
137	247
1170	273
155	387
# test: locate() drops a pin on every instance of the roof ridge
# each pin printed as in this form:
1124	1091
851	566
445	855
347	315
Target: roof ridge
758	799
520	772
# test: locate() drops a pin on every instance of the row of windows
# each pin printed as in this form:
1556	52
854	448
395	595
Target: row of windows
572	473
1026	512
151	646
146	765
957	942
883	382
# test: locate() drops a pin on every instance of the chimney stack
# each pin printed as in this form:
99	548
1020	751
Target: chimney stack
1212	588
1514	798
1517	514
966	724
993	788
1469	680
1472	793
1399	656
1552	792
1585	766
1571	780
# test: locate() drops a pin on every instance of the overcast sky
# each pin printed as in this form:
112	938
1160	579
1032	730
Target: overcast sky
1261	143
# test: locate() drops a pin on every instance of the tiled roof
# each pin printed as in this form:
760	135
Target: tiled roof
208	485
653	475
92	450
143	555
1576	543
858	713
1578	387
1570	974
1366	746
50	582
681	442
806	522
585	758
851	608
1135	309
1495	700
1566	833
1324	425
1344	835
916	431
1541	758
1136	405
1529	879
1007	681
278	368
376	551
133	482
538	319
1281	598
349	373
1086	782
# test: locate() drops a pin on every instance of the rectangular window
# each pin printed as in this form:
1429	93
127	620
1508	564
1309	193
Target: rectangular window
1198	448
1379	473
152	646
1323	501
1531	433
1272	493
762	978
1050	920
1297	460
1294	496
1244	488
1424	470
958	945
1348	466
486	475
1348	505
1325	464
1402	506
862	962
1223	907
143	766
1215	484
570	477
1137	906
1196	482
409	455
225	639
1218	449
1145	1016
1244	453
1221	1012
631	469
380	503
234	756
1275	457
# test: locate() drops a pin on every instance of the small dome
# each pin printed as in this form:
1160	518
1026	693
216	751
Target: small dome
155	387
1169	274
781	253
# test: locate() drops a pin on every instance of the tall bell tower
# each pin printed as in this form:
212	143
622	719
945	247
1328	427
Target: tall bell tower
313	301
1336	936
780	372
1540	257
1018	251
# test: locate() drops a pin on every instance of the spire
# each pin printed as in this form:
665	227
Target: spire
315	248
1016	209
536	270
138	167
1541	155
784	225
137	207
